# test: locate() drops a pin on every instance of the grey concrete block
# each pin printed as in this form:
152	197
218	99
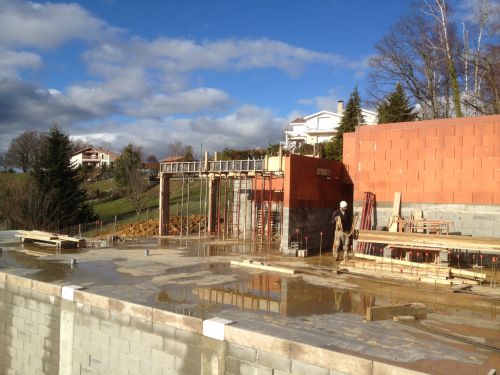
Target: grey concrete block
186	337
130	333
241	352
142	325
162	359
119	344
99	337
110	328
301	368
247	369
164	331
129	361
141	351
178	349
151	340
100	314
119	319
273	361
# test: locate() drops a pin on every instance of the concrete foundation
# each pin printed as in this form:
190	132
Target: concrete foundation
42	333
469	220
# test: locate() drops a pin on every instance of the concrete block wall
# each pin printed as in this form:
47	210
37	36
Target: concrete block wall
42	333
313	223
477	220
449	168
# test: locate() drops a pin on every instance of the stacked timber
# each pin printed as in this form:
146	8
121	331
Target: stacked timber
427	273
58	240
486	245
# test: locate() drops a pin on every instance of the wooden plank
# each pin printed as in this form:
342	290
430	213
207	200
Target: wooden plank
488	245
396	205
417	310
262	266
455	272
467	274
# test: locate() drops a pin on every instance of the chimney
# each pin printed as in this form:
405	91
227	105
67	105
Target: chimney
340	107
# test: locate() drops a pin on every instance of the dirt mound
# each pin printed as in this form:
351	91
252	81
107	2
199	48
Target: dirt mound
150	228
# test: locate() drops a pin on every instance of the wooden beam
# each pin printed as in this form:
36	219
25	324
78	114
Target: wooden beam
417	310
487	245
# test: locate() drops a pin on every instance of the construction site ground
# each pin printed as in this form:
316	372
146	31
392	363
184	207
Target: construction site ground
317	306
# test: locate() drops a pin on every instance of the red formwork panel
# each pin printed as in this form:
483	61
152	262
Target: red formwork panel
308	184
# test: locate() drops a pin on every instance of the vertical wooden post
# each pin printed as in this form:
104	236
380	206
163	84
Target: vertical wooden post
164	205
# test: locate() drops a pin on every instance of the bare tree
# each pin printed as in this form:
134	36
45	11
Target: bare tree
128	176
444	74
23	150
179	149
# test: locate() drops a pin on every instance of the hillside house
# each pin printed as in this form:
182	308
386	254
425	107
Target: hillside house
319	127
94	157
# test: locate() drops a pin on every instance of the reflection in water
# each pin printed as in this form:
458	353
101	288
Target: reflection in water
263	293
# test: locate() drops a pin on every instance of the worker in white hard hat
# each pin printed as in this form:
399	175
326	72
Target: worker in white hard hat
342	223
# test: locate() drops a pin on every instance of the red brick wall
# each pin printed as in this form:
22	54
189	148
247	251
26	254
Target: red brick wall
304	188
437	161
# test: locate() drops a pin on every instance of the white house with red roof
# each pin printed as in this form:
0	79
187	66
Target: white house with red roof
94	157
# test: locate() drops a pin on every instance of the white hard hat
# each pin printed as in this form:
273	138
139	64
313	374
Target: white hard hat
343	204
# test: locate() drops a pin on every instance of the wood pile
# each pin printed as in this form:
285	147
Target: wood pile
150	228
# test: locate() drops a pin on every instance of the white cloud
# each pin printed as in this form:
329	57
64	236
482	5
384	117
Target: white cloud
12	61
323	103
48	25
187	102
247	127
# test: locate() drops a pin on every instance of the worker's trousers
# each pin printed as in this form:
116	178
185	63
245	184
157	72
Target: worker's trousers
341	238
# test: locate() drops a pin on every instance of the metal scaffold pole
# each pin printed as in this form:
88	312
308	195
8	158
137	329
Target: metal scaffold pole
225	209
206	204
238	208
245	218
254	209
201	196
187	207
182	207
218	206
270	206
262	214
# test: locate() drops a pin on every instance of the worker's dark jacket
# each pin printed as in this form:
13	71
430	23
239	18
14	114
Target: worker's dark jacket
346	219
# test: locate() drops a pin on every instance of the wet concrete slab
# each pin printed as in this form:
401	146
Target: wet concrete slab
316	306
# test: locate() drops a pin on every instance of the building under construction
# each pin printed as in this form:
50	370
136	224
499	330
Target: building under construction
427	177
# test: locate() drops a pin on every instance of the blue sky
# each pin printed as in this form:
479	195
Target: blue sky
222	73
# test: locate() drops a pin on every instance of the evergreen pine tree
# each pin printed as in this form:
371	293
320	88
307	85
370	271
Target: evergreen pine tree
395	107
351	118
55	177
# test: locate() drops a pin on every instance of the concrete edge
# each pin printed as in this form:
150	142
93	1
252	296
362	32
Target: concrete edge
132	309
183	322
256	340
91	299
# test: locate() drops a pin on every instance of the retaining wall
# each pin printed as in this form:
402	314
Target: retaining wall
46	329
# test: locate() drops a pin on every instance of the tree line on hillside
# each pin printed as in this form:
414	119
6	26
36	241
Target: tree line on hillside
51	194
